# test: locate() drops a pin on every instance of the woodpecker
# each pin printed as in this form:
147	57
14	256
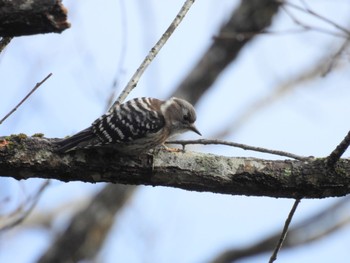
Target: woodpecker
135	126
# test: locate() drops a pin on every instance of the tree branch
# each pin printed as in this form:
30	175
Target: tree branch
37	85
24	158
309	230
320	67
238	145
4	42
339	150
22	211
29	17
153	53
247	21
86	232
284	231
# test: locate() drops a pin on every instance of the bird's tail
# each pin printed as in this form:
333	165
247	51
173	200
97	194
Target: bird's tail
79	140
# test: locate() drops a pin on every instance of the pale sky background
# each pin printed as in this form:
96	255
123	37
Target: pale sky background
109	40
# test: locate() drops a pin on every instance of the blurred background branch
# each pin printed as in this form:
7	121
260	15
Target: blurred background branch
88	229
309	230
250	16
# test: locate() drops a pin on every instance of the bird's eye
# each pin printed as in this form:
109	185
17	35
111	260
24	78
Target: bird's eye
186	117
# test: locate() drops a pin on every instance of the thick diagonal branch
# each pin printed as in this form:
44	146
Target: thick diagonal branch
86	232
25	158
247	21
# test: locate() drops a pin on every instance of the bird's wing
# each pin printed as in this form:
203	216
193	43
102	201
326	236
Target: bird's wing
132	120
77	140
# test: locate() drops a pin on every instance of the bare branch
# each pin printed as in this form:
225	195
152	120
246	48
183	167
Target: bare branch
44	218
336	57
251	16
284	231
309	230
86	233
31	157
25	98
338	152
307	27
320	67
4	42
153	52
309	11
28	17
34	200
239	145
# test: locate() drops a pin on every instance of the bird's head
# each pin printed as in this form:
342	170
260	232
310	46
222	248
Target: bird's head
179	115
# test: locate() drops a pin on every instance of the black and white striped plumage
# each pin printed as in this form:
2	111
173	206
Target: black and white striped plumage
135	126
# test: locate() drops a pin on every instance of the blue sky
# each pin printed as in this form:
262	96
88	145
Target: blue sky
108	41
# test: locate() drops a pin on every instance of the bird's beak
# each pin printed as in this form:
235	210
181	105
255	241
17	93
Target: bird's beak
194	129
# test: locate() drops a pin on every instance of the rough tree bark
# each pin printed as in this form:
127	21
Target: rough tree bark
24	158
28	17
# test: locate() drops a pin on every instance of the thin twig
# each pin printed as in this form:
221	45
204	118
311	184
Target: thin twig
335	57
35	200
303	29
284	231
153	53
338	152
313	13
307	27
318	68
310	229
25	98
4	42
239	145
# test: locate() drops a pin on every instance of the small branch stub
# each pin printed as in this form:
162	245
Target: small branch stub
339	150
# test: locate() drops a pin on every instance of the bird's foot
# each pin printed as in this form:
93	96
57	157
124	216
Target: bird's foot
173	150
